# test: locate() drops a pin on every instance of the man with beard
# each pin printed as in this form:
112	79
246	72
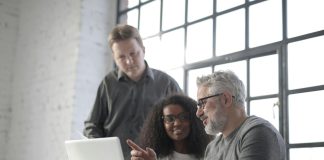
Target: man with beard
221	97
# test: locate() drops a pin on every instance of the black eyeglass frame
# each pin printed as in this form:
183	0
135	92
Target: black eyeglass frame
170	119
201	103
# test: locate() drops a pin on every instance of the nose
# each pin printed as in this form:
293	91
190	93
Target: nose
177	122
129	60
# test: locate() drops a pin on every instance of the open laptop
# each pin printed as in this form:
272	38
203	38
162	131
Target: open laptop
94	149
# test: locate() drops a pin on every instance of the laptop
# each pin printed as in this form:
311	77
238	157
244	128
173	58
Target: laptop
94	149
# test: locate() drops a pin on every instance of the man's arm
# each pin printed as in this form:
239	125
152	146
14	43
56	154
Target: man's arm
94	124
173	87
260	142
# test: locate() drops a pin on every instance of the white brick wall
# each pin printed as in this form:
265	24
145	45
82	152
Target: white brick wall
60	56
44	79
98	18
8	32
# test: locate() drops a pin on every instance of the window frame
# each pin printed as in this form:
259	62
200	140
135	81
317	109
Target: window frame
279	48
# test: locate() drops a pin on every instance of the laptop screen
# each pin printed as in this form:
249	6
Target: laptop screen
94	149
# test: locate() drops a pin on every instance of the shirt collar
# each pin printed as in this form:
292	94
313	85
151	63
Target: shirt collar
147	73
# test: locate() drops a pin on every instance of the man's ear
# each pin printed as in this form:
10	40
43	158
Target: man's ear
228	99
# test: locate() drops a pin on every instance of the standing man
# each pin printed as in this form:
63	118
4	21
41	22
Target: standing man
221	97
126	94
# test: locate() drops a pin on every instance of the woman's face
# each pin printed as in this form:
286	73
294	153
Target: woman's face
176	122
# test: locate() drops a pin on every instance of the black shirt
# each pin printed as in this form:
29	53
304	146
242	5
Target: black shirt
122	104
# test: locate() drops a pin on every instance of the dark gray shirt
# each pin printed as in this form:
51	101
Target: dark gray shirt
122	104
255	139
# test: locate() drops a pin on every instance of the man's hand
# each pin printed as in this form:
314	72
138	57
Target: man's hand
139	153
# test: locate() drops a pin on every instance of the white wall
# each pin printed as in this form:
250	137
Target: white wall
98	18
8	33
57	62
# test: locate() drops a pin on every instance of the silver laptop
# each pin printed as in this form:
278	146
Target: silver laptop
94	149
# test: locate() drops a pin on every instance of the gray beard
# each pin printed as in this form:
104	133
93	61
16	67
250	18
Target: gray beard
216	124
209	129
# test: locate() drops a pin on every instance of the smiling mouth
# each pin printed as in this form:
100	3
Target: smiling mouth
177	131
204	120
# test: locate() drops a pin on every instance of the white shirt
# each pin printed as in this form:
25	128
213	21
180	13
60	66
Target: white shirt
179	156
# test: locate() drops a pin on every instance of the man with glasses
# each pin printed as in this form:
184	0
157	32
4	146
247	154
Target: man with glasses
221	97
126	94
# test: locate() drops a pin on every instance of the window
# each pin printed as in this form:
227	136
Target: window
274	46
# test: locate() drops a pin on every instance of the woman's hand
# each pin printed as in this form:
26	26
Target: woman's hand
139	153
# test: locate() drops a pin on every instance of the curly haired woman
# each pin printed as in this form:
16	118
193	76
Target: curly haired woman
171	131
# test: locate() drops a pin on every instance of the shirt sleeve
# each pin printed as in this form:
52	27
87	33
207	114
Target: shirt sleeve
94	124
173	87
260	142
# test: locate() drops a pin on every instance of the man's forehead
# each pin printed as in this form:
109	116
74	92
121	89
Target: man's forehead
202	91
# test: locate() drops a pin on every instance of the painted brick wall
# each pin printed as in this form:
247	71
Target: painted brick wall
44	78
8	33
61	56
98	19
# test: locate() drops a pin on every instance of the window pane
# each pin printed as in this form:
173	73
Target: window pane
226	4
170	18
239	68
200	41
306	153
144	0
172	49
177	74
124	4
192	77
264	75
304	17
150	19
132	18
265	23
153	50
230	32
267	109
305	63
122	19
305	116
197	9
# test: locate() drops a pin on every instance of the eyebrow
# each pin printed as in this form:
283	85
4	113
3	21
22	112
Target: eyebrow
176	114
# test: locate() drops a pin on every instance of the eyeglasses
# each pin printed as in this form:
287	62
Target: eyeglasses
202	101
183	117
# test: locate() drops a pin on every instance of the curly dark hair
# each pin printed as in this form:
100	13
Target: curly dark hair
153	133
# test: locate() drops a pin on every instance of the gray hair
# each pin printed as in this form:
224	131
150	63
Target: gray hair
221	81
